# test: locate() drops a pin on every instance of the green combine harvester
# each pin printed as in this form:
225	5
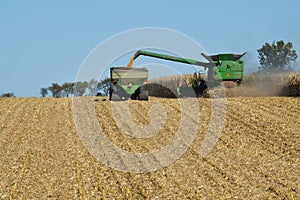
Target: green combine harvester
129	83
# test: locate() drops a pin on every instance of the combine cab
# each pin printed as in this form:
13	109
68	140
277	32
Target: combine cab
127	83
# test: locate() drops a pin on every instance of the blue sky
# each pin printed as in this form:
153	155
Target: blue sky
46	41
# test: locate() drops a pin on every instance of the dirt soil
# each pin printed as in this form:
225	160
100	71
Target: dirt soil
257	156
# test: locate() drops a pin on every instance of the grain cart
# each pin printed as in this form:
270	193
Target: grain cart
127	83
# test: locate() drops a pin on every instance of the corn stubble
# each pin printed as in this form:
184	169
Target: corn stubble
258	85
256	157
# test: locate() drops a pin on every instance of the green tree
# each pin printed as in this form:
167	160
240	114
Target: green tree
92	87
103	87
9	94
68	89
56	90
80	88
43	92
276	57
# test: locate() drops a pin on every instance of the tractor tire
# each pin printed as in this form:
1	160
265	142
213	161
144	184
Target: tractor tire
144	95
136	94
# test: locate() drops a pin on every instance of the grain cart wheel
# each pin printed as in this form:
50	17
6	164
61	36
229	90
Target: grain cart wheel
117	93
115	97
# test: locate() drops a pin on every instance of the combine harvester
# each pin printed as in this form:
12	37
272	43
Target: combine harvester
130	83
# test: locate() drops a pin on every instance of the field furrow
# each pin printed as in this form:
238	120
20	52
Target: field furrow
256	156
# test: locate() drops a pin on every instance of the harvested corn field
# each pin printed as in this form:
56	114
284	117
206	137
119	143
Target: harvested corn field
255	157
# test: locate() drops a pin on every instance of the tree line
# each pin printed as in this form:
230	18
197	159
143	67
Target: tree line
79	88
8	94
